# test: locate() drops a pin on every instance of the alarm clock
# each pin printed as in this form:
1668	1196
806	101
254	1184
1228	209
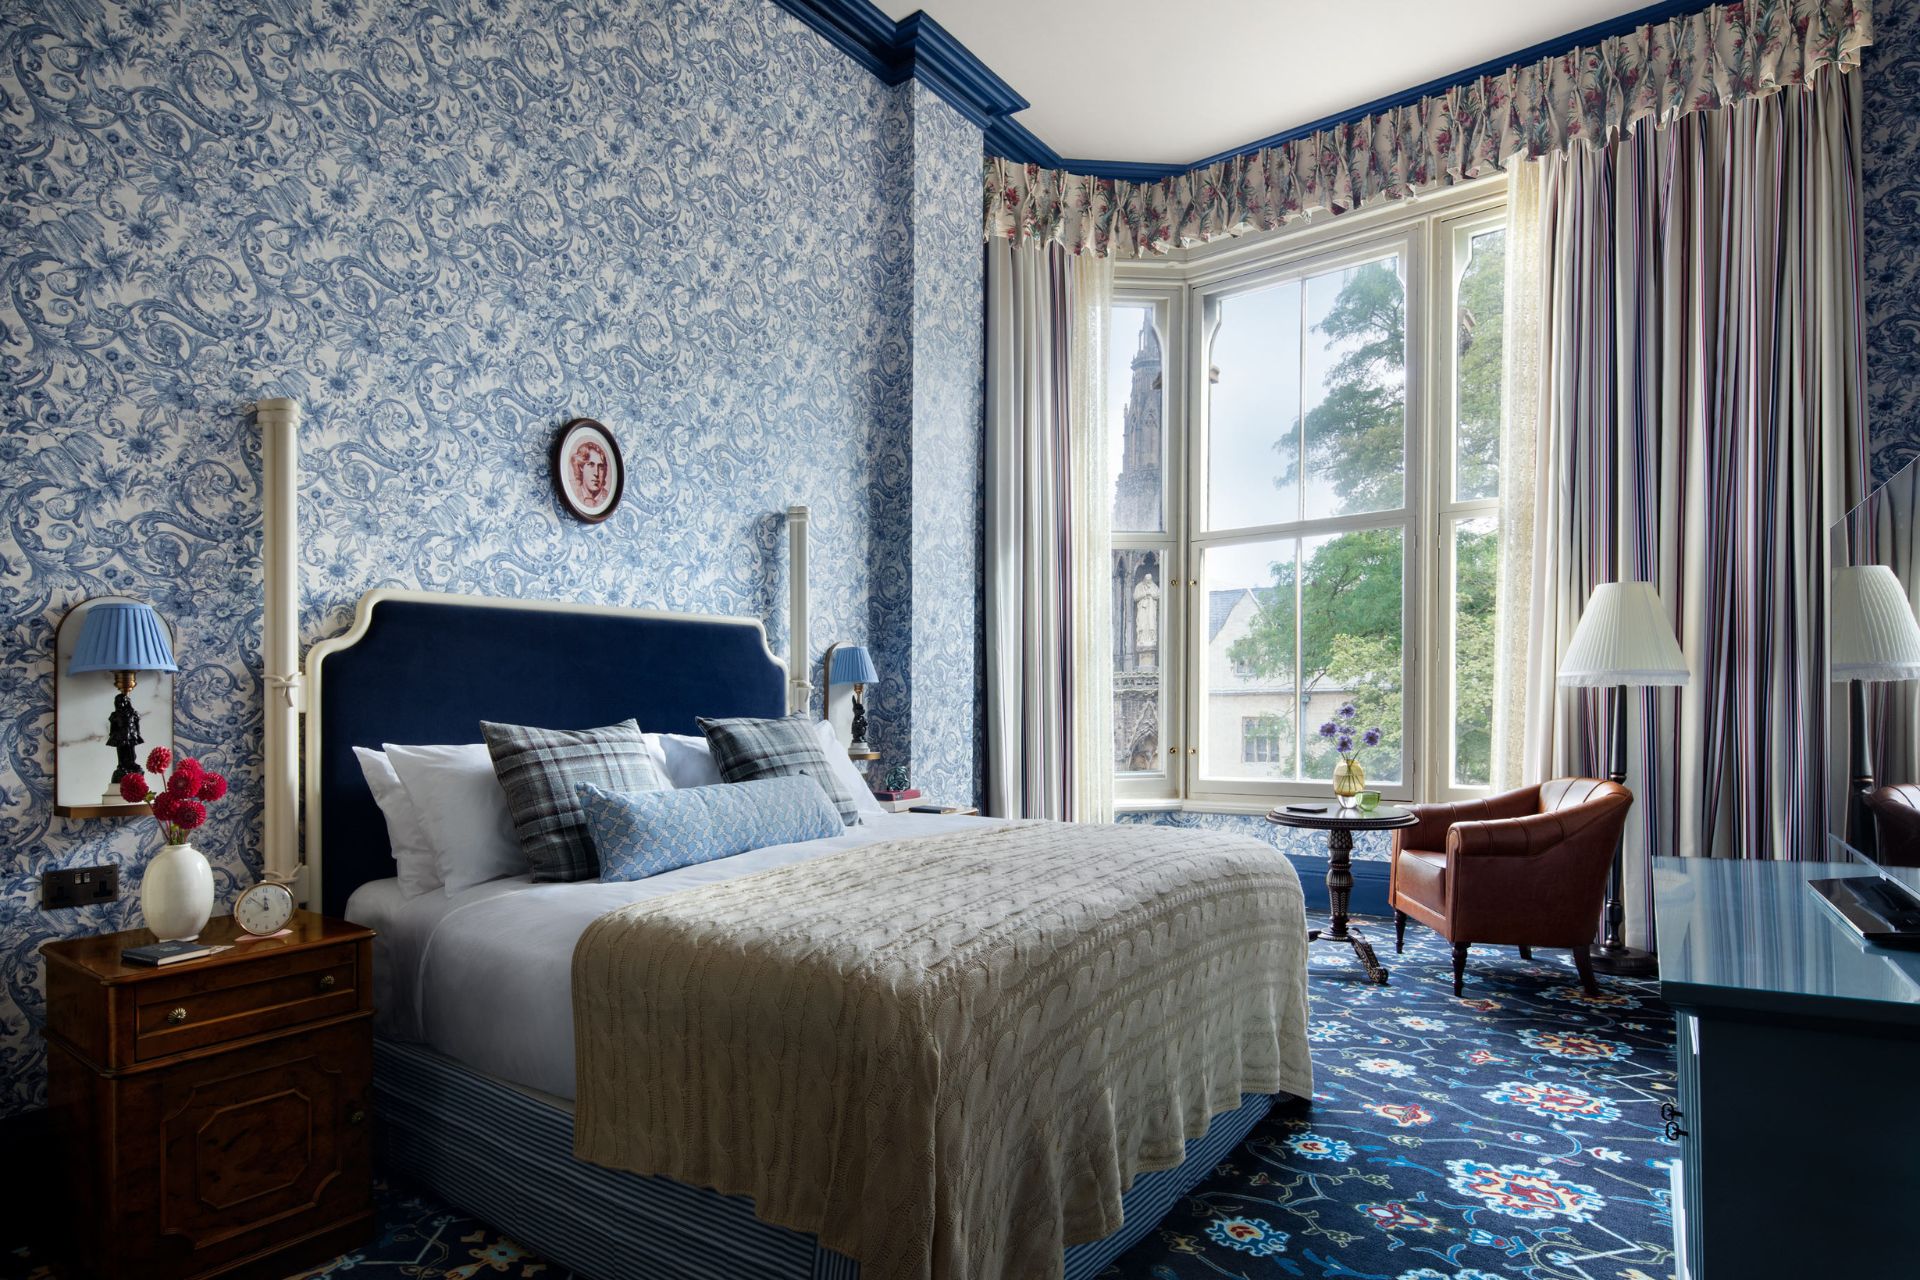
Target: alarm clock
264	909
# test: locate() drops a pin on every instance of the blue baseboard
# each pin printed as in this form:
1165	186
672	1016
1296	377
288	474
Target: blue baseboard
1369	886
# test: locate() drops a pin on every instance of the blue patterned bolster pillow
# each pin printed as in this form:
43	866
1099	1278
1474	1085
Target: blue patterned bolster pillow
641	834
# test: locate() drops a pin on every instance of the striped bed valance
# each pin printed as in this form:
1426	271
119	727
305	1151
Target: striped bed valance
1694	62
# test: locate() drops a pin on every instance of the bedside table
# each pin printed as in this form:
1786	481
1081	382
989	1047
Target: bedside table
214	1113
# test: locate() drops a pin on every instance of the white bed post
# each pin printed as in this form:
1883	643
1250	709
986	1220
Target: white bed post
279	421
799	685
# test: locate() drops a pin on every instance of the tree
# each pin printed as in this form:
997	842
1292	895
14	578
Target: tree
1475	587
1350	612
1482	312
1357	435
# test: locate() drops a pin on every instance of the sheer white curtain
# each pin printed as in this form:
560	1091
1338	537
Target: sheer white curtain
1520	479
1049	643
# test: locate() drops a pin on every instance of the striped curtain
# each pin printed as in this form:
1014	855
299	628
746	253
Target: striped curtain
1700	427
1049	645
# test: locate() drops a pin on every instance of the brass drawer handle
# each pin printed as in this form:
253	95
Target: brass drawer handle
176	1016
326	982
357	1115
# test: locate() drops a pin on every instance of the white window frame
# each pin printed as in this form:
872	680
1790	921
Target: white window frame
1163	788
1450	235
1421	230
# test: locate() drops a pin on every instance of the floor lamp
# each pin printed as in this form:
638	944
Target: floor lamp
1624	639
1874	639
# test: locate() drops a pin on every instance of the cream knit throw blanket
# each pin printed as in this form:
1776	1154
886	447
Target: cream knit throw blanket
945	1057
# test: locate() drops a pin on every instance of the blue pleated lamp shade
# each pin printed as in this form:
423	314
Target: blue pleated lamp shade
122	637
851	665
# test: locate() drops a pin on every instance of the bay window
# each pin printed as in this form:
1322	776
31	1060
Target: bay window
1305	438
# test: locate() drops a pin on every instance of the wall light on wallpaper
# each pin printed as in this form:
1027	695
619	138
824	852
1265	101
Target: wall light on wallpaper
103	711
587	470
850	664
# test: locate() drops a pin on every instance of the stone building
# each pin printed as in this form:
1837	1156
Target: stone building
1137	577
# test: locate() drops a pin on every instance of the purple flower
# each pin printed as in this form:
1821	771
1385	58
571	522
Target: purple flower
1329	729
1348	712
1371	737
1344	744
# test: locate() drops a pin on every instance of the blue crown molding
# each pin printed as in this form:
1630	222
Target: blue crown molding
915	48
918	48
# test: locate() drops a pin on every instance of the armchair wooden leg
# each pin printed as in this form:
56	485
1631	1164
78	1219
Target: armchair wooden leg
1583	961
1399	932
1526	953
1459	965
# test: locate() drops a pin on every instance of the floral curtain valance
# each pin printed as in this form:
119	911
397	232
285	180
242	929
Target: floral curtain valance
1695	62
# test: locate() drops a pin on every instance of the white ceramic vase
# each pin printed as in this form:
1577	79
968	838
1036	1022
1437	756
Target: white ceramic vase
176	894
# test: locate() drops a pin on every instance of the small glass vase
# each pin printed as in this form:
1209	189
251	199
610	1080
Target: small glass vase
176	893
1349	780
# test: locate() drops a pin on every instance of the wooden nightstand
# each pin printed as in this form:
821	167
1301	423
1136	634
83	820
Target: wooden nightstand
214	1113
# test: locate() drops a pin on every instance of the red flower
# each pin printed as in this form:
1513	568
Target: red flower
133	788
187	777
158	759
188	814
163	806
213	786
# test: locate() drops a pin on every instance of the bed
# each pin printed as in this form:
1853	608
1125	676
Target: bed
475	1059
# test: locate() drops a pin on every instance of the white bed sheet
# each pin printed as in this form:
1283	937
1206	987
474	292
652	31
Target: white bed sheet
485	976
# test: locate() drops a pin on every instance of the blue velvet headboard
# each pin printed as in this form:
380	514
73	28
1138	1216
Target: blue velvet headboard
417	667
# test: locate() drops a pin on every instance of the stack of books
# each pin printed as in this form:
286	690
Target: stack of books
898	801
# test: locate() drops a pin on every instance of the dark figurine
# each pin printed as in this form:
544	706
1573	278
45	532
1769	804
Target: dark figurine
859	720
123	734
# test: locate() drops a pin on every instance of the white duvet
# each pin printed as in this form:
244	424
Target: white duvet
485	976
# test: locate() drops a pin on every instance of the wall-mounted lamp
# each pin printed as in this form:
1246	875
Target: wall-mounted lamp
125	638
850	664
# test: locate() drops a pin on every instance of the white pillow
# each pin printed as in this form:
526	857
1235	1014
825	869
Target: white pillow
412	855
688	760
843	768
462	810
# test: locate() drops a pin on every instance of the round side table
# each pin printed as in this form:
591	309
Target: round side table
1340	824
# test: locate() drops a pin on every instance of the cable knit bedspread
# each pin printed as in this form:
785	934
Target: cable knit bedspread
945	1057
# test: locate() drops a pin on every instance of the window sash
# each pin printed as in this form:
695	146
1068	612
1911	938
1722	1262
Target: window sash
1207	785
1165	784
1452	236
1186	279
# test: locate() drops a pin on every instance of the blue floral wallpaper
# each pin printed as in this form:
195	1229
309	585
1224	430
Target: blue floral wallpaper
446	227
949	365
1890	209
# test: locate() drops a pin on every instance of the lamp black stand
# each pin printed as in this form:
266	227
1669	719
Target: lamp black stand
1613	956
1860	829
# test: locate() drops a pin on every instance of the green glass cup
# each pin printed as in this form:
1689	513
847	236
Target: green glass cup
1368	801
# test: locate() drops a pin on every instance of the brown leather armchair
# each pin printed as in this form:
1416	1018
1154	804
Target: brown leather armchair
1527	868
1896	814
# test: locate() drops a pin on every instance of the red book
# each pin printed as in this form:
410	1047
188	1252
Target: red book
911	793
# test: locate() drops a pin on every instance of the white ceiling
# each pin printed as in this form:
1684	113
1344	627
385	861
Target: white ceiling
1173	81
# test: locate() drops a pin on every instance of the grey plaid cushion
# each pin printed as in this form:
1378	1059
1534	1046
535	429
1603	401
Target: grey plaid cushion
745	750
541	771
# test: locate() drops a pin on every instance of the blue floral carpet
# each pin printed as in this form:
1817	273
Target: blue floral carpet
1511	1133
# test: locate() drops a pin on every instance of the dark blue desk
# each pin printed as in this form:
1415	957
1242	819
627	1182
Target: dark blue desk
1798	1126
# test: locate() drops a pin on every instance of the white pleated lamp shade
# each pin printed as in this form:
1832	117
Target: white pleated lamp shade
1624	638
1875	636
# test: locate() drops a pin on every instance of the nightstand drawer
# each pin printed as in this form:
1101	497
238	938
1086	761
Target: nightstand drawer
233	1002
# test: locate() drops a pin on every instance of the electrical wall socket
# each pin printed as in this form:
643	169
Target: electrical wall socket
79	887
